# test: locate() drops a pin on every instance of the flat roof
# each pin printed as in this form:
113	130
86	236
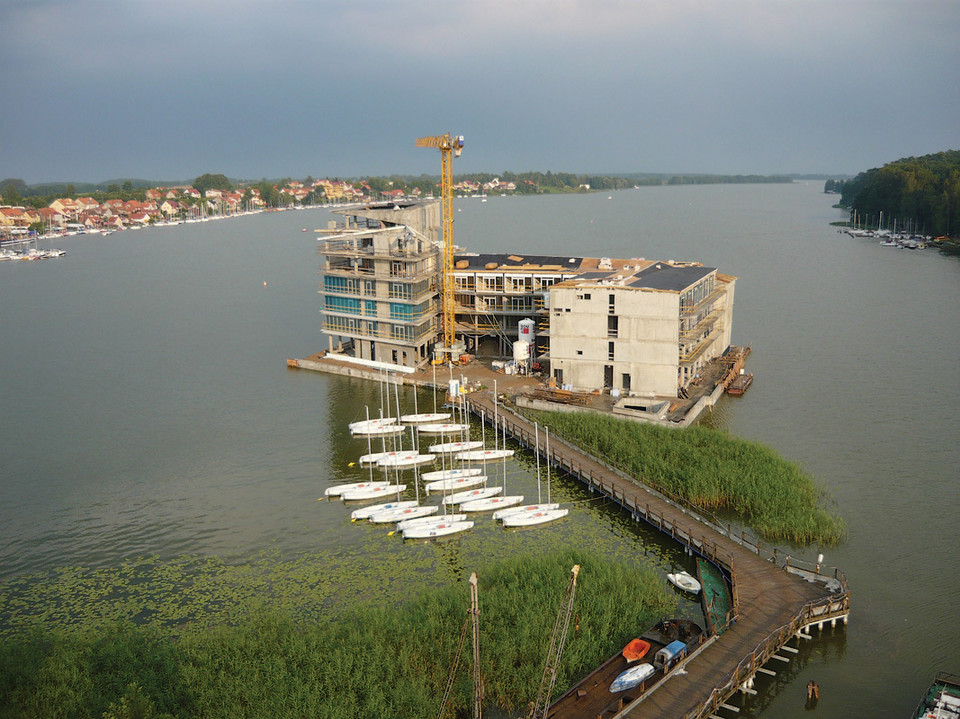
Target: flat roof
662	276
517	261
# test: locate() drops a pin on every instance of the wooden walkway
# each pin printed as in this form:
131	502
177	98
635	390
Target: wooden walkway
772	602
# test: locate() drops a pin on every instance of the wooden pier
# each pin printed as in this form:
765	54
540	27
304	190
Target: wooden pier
774	599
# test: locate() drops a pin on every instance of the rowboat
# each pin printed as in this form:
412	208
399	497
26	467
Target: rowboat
431	520
471	494
635	650
452	447
483	455
445	485
424	417
488	503
529	519
684	581
372	492
399	514
436	530
500	514
367	512
341	488
450	474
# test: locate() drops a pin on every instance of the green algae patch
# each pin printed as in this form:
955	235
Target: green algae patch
712	470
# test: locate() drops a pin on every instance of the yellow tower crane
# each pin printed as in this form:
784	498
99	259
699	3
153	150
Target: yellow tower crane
450	147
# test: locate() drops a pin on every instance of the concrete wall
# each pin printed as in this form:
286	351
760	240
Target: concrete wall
645	347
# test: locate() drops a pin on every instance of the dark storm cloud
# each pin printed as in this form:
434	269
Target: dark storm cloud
96	90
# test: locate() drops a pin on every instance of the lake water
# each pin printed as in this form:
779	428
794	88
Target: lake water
147	409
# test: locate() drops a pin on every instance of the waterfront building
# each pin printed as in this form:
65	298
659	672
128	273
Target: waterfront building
379	281
637	326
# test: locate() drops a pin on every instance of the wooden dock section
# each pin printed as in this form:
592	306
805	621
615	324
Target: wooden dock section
775	599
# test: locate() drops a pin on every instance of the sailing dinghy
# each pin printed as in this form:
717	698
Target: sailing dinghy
450	474
341	488
444	485
372	492
471	494
500	514
427	521
401	513
424	418
483	455
454	447
528	519
367	512
436	530
488	503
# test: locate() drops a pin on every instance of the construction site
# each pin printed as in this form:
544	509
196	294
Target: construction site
637	337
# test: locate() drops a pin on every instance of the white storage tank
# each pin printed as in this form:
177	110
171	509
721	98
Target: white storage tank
526	330
521	351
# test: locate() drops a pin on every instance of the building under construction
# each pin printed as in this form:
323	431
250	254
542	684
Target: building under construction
637	326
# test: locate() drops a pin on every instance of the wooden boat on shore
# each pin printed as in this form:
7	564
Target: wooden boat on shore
592	696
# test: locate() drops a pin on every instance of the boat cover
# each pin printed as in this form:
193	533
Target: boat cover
670	652
635	650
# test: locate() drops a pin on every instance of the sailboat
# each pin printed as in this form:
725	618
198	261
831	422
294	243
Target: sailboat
533	514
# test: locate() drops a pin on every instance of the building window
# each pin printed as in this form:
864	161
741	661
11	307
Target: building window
625	382
609	350
579	352
613	326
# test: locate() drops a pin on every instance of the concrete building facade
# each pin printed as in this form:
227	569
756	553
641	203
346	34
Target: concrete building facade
636	326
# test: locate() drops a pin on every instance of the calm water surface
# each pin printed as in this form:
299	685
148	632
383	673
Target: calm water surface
147	408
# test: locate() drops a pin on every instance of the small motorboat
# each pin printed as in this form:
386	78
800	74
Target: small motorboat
631	677
682	580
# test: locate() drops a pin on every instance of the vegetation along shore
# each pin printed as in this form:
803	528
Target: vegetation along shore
373	659
712	470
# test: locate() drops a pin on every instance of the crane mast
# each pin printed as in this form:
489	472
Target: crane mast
542	704
450	147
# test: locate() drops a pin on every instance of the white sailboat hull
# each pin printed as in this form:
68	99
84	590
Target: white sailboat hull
397	515
485	505
341	488
408	461
424	418
472	494
367	512
453	447
525	508
483	455
436	530
444	428
428	521
372	492
527	519
446	485
450	474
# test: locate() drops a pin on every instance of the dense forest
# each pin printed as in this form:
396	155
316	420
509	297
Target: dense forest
920	194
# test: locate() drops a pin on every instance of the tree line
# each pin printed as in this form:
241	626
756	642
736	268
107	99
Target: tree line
922	193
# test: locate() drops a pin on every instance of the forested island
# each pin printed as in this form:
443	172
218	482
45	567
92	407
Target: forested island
918	194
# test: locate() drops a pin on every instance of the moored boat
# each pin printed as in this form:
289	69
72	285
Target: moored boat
431	520
530	519
453	447
500	514
471	494
424	417
450	474
684	581
455	483
488	503
376	457
339	489
942	700
483	455
442	428
401	513
407	461
367	512
436	530
372	492
365	424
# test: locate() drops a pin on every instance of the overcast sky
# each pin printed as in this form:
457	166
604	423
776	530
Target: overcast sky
92	90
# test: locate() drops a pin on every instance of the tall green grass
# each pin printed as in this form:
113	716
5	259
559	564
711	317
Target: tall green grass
712	470
367	661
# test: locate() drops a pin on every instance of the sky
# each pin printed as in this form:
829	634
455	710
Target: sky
93	90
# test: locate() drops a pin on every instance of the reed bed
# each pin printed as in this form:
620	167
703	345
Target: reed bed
712	470
366	661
